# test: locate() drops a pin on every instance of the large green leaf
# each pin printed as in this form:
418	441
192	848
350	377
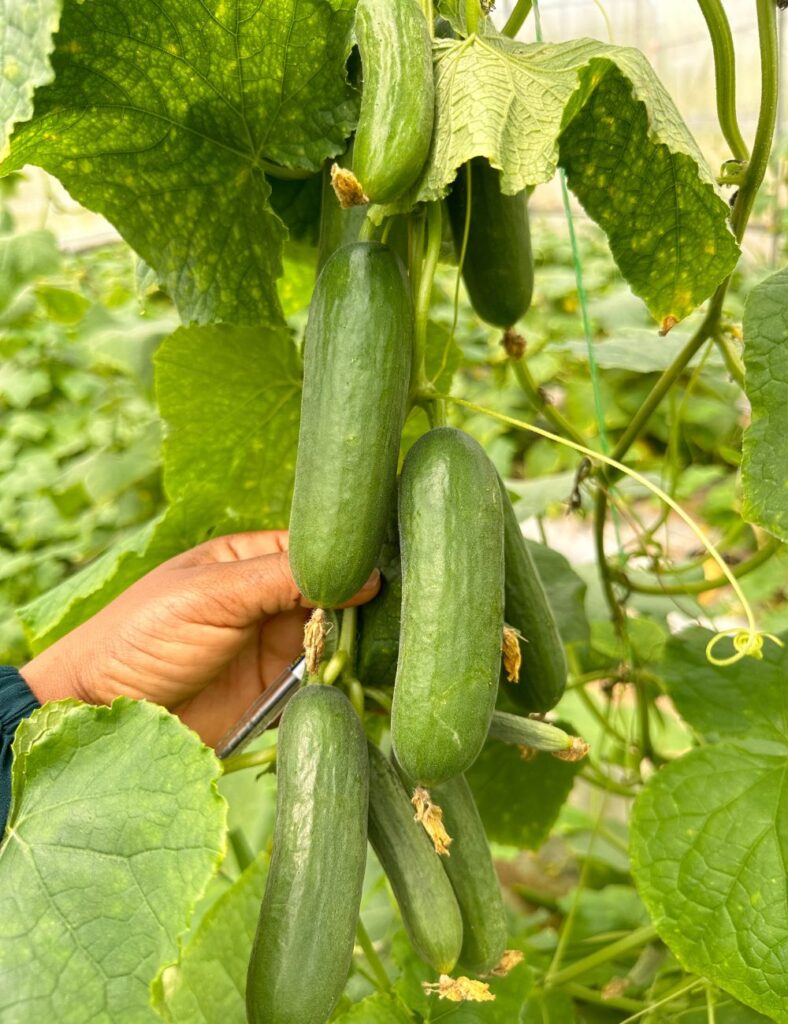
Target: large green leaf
709	833
208	983
26	30
566	592
164	117
765	455
519	800
231	398
115	829
600	112
381	1008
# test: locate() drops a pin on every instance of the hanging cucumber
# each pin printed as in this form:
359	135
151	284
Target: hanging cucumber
304	942
338	226
543	669
451	537
357	357
397	101
378	621
472	875
498	269
425	896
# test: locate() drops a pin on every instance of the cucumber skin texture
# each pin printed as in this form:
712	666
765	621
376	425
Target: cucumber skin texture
421	887
543	670
398	98
472	875
451	541
338	227
304	943
357	356
498	270
379	620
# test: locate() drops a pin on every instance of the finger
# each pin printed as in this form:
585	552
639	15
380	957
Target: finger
239	594
234	547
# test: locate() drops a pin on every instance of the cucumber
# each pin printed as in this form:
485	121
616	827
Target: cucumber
357	357
398	97
337	226
451	538
422	890
498	269
543	669
304	942
472	875
378	621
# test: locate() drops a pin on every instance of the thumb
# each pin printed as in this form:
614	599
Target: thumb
254	589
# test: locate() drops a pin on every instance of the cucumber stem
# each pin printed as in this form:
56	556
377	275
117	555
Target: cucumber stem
250	759
640	937
428	264
473	11
374	961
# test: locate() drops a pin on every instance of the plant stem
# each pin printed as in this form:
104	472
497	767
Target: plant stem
428	264
590	995
733	361
767	116
725	74
674	993
251	759
242	851
605	576
517	18
611	730
540	402
640	937
594	777
347	633
473	11
702	586
373	959
367	230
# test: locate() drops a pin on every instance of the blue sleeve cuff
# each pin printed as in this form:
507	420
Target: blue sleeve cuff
16	702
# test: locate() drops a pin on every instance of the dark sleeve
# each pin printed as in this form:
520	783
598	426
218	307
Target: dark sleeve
16	703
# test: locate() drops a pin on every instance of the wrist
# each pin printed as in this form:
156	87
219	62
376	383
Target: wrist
53	675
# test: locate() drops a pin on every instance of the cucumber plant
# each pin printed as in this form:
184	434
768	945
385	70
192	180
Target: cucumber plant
336	199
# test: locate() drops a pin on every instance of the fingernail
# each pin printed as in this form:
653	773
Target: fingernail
372	582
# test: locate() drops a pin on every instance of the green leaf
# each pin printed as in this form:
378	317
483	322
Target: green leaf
709	848
23	258
78	597
231	397
208	984
26	30
165	118
709	832
601	112
380	1008
115	829
764	455
747	701
548	1008
519	800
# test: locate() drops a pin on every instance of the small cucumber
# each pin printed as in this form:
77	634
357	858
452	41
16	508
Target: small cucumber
425	896
357	357
338	227
543	669
398	98
451	538
498	269
304	942
472	875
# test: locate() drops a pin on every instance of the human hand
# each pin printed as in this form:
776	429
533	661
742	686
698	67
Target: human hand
203	634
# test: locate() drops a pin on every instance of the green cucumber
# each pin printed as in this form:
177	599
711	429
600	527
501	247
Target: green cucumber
304	942
543	669
338	227
357	357
451	538
472	875
422	890
498	269
398	99
378	621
